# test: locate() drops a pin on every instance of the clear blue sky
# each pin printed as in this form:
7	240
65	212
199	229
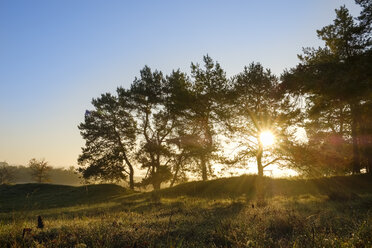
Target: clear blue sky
55	56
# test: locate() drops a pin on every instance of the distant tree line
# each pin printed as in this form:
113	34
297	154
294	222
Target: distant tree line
37	171
178	125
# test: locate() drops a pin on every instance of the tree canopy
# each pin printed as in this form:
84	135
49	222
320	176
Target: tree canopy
335	80
39	170
172	127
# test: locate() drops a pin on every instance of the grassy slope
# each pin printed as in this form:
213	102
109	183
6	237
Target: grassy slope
40	196
237	186
329	212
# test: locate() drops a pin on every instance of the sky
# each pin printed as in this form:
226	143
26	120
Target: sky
55	56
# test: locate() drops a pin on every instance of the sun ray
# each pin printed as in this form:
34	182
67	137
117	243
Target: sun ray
267	138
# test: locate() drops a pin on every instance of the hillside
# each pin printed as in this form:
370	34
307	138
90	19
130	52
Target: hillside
327	212
40	196
245	185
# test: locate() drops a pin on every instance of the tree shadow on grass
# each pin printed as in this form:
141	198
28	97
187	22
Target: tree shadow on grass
201	225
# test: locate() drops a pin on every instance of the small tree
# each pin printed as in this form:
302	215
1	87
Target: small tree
6	173
39	170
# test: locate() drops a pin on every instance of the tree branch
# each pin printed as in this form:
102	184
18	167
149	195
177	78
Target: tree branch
272	161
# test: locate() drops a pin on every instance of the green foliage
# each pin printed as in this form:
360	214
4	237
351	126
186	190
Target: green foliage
109	132
166	125
259	106
210	90
335	82
157	124
176	125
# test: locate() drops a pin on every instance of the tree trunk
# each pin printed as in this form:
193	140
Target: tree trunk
131	170
131	177
204	169
208	143
156	185
369	165
366	133
174	178
368	153
175	174
259	161
354	134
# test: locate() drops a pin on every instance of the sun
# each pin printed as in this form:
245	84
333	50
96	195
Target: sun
267	138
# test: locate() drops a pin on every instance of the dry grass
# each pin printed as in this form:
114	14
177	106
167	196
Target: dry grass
167	220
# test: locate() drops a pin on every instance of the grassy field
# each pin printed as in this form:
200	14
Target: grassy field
329	212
